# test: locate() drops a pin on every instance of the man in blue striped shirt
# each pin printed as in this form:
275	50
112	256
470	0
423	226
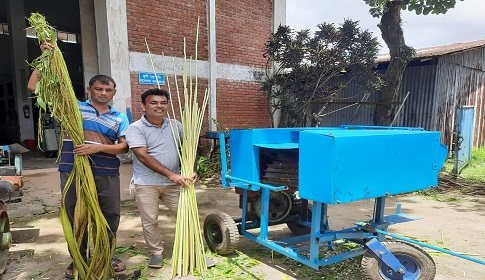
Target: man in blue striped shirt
104	133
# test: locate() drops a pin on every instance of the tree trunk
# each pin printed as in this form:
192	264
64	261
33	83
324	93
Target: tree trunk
393	36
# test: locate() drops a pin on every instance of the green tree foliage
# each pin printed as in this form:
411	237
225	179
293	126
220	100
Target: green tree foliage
307	68
389	11
419	6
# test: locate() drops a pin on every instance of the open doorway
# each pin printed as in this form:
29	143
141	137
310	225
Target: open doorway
64	15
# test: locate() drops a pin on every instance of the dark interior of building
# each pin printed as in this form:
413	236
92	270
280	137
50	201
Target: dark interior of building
65	17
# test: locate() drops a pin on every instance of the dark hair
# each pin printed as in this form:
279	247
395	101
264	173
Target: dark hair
103	79
154	91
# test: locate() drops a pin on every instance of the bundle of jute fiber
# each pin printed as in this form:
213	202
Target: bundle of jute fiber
54	90
188	251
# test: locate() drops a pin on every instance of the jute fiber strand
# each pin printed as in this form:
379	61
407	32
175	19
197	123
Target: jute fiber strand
55	90
188	251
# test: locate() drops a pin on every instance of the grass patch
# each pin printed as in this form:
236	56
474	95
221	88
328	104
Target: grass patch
39	274
231	267
474	171
346	269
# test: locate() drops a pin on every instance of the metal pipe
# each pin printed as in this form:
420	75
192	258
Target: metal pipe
430	246
264	186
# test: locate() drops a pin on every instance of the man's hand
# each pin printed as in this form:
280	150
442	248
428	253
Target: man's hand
182	180
87	149
46	46
194	177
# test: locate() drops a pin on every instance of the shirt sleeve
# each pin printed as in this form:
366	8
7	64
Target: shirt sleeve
123	125
135	136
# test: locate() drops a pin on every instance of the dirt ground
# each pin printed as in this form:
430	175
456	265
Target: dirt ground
454	221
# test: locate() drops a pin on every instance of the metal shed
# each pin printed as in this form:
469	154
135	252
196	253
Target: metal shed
436	82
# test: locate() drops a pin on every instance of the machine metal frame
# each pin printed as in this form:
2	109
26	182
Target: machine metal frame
370	234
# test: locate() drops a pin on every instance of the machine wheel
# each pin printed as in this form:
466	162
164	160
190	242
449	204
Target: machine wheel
418	263
298	229
221	233
5	238
280	204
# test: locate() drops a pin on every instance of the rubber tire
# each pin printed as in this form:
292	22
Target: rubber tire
221	233
298	229
373	268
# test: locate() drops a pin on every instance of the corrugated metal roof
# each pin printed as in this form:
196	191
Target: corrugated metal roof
438	50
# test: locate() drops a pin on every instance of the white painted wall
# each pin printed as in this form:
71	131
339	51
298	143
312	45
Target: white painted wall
89	45
212	65
112	47
140	62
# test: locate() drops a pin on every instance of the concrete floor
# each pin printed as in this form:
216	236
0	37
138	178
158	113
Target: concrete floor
36	159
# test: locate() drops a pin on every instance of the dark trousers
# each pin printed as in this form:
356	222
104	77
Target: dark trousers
108	189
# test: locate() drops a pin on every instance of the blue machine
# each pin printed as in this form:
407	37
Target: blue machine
291	175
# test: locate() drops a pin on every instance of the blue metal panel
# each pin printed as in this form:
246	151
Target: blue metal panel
464	124
244	156
348	165
265	136
245	145
339	165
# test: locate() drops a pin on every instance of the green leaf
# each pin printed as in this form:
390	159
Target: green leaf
40	103
427	10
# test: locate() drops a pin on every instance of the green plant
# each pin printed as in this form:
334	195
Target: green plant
340	270
231	268
311	70
219	125
208	167
38	274
131	250
203	167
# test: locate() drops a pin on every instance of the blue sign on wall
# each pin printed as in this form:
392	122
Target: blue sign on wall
147	78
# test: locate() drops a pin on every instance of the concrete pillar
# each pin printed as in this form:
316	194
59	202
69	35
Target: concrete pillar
88	35
20	69
279	13
212	65
279	18
112	46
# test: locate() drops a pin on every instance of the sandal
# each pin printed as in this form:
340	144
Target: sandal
118	265
69	274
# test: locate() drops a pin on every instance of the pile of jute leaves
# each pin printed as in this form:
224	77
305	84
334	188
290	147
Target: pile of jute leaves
188	251
54	91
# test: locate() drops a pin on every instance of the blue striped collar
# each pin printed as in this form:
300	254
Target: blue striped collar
111	111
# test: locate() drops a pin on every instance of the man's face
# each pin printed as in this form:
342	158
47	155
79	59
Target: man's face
155	106
101	93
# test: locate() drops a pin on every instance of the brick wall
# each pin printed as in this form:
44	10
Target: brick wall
243	27
242	30
165	24
241	105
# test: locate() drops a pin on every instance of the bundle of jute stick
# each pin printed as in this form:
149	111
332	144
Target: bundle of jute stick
54	90
188	251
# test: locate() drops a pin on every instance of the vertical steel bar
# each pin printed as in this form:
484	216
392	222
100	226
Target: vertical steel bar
379	204
244	209
222	148
263	234
315	230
